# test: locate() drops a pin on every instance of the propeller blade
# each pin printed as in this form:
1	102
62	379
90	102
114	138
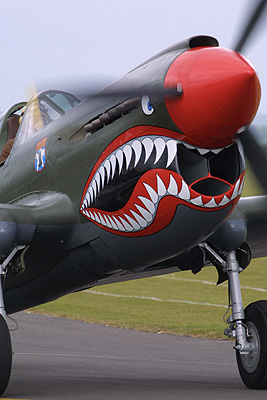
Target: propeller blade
250	25
106	89
255	155
128	92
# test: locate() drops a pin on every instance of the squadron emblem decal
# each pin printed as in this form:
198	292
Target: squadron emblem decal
40	156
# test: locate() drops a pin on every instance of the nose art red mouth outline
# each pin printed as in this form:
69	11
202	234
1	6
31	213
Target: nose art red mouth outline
157	193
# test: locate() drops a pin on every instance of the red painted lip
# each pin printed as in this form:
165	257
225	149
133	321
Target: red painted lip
157	193
221	95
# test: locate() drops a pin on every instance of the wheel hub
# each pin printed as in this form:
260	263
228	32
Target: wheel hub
250	360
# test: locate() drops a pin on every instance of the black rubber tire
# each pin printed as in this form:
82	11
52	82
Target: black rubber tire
5	355
253	370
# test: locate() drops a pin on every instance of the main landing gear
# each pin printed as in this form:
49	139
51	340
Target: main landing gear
252	364
5	341
248	327
5	355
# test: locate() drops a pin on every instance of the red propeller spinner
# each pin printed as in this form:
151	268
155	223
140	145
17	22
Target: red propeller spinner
221	95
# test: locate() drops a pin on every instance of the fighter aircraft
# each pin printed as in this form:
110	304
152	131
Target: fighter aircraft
143	178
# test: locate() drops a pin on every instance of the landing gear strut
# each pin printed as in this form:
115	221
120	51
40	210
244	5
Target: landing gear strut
248	327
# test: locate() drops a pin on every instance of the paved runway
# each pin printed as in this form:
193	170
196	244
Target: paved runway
63	359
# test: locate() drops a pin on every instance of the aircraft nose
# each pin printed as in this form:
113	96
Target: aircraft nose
221	95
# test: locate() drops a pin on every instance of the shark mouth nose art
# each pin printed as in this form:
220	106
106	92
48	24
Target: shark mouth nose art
138	182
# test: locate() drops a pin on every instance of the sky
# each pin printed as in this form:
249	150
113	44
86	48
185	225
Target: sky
60	44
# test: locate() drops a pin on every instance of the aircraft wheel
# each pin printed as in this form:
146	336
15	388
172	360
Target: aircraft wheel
5	355
253	366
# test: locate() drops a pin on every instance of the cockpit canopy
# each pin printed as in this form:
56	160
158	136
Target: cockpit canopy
43	108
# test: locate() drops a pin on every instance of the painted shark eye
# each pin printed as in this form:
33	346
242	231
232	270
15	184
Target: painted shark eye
147	106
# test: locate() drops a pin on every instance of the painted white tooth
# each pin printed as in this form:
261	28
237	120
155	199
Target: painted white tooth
113	165
144	213
102	219
127	150
184	192
91	193
224	201
161	187
97	218
241	186
86	213
188	146
137	147
92	216
119	156
148	204
119	224
197	201
216	151
173	188
211	204
107	166
159	143
97	179
127	226
94	188
202	151
172	151
141	221
134	224
113	225
242	129
235	192
87	198
148	145
153	195
108	224
102	173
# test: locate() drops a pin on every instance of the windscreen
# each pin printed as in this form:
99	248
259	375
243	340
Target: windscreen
41	110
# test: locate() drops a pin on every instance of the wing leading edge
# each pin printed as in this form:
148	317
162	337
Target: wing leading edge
252	211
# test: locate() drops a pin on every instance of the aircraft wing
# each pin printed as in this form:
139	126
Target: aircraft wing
40	214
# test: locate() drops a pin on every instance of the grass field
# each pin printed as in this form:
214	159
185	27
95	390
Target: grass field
180	303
